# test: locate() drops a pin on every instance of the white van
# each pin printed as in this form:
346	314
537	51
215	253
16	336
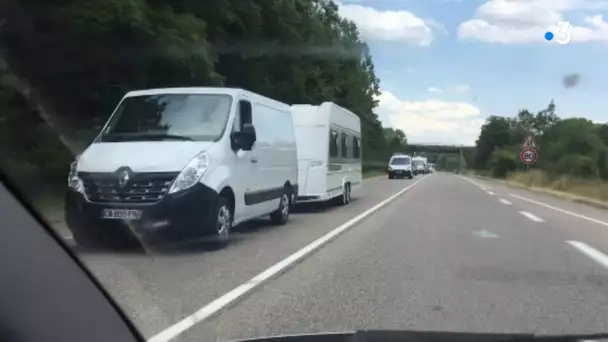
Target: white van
329	152
419	165
400	165
178	164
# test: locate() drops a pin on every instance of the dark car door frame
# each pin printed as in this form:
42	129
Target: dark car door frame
46	293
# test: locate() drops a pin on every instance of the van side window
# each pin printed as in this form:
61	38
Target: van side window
333	143
243	115
356	148
343	145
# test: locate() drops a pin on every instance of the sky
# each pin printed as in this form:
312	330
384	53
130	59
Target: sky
446	65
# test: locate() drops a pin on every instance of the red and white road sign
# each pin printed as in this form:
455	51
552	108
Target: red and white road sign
528	155
529	142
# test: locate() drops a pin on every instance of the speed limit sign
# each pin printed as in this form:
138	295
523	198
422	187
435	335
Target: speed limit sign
528	155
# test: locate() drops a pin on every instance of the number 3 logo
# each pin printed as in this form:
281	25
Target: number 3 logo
564	31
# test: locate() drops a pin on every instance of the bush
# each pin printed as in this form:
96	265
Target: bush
577	165
502	162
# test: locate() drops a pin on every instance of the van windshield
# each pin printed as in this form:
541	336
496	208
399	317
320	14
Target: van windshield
418	162
197	117
400	161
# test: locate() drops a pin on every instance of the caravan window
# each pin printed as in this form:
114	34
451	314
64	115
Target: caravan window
343	145
333	143
349	146
356	148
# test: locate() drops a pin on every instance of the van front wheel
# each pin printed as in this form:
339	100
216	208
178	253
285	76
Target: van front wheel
222	223
281	215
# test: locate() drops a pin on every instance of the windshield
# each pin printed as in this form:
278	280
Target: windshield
157	139
169	116
400	161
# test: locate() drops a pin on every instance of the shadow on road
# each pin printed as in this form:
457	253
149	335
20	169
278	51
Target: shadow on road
240	235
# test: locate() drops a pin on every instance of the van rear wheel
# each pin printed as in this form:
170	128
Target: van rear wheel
281	215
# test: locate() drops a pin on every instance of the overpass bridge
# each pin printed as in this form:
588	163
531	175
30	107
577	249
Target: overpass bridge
416	149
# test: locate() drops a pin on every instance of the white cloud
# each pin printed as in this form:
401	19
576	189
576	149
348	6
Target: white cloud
526	21
397	26
462	88
434	90
432	121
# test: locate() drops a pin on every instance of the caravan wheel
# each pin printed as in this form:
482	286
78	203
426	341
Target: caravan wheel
346	194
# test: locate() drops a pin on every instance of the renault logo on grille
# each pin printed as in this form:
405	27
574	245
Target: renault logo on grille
123	177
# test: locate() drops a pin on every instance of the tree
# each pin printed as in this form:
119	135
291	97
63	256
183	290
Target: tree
495	133
396	140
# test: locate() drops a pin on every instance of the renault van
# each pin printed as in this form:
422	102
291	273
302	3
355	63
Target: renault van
183	164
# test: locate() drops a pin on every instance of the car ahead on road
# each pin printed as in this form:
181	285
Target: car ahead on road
400	166
178	165
329	152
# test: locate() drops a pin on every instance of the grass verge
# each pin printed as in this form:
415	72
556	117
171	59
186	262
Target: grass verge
373	173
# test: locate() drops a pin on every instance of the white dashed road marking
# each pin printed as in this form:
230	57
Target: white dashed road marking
591	252
504	201
531	216
562	210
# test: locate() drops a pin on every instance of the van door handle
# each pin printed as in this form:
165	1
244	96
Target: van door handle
254	160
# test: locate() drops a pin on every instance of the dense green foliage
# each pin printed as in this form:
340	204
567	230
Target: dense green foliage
82	56
575	146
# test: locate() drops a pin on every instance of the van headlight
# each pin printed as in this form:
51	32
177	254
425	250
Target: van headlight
191	174
74	182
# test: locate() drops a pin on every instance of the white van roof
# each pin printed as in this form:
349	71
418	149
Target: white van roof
201	90
186	90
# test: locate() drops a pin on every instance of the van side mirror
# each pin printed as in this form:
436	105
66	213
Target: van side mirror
245	138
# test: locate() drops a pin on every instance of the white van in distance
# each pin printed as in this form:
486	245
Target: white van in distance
400	165
182	164
329	152
419	165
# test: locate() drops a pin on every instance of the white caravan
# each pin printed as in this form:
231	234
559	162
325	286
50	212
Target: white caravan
182	164
329	152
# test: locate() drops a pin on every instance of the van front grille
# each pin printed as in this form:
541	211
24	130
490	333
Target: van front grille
142	187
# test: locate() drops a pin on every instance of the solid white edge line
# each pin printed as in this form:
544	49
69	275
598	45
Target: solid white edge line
591	252
562	210
531	216
504	201
216	305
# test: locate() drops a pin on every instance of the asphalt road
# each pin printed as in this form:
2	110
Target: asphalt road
447	254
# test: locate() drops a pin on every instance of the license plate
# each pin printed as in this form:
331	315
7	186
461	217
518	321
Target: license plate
120	214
